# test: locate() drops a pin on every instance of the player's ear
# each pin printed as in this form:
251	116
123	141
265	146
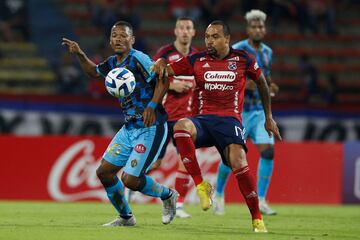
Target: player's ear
227	39
132	40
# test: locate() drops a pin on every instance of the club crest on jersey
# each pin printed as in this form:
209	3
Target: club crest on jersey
133	163
232	66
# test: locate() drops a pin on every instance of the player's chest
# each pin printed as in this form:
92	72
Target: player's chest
220	72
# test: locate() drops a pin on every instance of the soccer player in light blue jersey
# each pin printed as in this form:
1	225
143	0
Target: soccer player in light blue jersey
137	144
253	114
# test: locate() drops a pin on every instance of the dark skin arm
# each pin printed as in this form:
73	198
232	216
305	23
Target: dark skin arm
162	86
86	64
270	124
274	89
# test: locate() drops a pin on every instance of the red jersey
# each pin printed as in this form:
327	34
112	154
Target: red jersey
220	84
177	105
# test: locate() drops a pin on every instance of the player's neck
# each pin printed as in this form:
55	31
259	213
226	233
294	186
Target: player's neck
223	54
184	49
121	56
255	44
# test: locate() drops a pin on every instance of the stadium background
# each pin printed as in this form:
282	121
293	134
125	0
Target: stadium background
55	124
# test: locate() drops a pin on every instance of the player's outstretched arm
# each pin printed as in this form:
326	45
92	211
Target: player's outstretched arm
149	115
86	64
162	69
270	124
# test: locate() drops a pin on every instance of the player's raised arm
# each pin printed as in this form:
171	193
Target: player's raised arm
270	124
86	64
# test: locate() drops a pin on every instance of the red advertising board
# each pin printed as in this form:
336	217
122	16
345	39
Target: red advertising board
64	169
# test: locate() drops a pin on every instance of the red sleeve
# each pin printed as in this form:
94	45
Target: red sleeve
253	70
182	67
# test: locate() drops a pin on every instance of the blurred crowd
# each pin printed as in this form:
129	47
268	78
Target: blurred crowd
310	17
14	20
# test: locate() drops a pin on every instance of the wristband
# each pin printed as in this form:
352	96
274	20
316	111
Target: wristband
152	104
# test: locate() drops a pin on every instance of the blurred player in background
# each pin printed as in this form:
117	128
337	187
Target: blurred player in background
253	115
220	73
178	100
138	143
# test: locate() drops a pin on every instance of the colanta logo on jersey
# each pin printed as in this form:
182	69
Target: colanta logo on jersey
219	76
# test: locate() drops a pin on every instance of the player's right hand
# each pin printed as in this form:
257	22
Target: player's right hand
272	128
72	45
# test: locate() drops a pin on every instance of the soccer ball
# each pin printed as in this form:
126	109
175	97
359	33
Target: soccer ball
120	82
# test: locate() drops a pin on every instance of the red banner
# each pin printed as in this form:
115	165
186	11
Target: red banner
64	169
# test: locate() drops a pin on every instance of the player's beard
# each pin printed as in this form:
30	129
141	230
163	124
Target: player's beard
212	52
258	40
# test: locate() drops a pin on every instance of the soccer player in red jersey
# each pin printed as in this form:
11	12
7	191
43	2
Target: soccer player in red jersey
178	100
220	74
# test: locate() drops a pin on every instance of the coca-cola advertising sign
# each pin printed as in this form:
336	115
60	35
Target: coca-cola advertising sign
73	175
63	168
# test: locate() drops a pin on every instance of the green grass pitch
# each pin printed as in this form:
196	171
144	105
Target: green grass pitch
50	221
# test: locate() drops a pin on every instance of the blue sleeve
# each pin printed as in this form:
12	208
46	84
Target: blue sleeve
144	63
105	67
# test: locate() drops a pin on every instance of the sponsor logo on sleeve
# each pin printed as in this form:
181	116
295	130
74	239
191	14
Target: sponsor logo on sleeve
140	148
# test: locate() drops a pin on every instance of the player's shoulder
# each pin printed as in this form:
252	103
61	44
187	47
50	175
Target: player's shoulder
198	54
266	47
166	48
240	53
240	44
140	56
193	50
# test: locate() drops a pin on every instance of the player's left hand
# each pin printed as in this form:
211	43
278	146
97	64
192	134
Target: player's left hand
272	128
149	116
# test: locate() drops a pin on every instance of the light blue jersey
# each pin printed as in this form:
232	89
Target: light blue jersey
134	105
263	57
253	115
135	146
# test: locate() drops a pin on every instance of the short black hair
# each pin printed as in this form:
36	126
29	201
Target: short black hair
126	24
185	18
226	28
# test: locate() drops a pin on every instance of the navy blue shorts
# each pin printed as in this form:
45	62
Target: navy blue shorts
218	131
171	125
